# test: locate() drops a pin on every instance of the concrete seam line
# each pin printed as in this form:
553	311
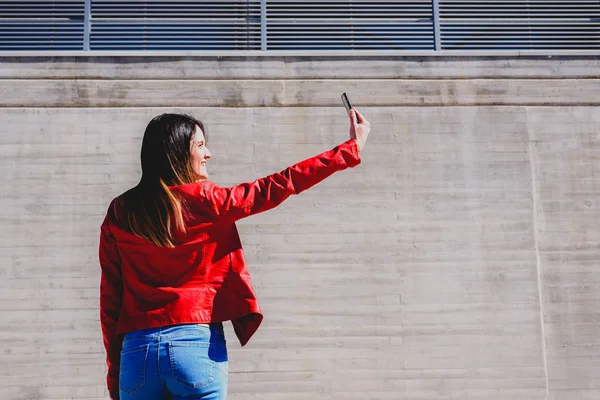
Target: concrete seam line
536	202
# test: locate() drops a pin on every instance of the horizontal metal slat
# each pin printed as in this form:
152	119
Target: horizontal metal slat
327	30
511	45
177	41
212	29
40	41
41	22
539	39
519	28
299	15
150	38
346	20
348	4
175	46
40	47
176	23
351	46
522	6
173	15
142	3
510	22
446	3
521	3
345	39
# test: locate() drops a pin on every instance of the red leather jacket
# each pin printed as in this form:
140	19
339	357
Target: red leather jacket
204	278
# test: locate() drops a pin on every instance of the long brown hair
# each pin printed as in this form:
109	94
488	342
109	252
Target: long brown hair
150	210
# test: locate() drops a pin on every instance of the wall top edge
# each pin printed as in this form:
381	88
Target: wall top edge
320	54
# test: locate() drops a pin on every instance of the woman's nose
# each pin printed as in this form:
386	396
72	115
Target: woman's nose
207	153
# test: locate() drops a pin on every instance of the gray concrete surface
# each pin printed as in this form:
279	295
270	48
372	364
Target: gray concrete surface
458	261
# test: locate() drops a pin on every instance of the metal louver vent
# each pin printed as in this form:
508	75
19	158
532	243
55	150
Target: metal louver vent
520	24
41	25
175	25
349	25
300	25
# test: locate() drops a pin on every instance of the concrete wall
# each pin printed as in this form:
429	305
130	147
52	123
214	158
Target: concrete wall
459	261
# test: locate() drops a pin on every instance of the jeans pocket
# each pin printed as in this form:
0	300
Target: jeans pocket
132	374
193	363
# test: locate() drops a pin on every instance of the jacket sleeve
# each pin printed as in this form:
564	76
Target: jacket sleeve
263	194
111	294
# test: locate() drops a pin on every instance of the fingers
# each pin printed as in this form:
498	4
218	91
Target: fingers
352	116
356	117
360	118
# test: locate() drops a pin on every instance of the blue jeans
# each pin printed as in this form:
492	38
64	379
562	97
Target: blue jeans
174	362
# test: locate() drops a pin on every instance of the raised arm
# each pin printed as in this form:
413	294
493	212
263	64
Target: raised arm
263	194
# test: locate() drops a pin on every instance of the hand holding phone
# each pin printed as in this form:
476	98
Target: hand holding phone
347	103
359	126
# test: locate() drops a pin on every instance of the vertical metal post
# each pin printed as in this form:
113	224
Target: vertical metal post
263	25
436	25
87	21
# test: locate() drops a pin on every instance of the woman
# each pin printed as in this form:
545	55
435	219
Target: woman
172	263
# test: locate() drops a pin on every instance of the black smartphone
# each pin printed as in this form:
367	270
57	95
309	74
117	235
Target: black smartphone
347	104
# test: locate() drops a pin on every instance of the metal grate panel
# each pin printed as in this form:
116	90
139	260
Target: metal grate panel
349	25
300	25
180	25
41	25
520	24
